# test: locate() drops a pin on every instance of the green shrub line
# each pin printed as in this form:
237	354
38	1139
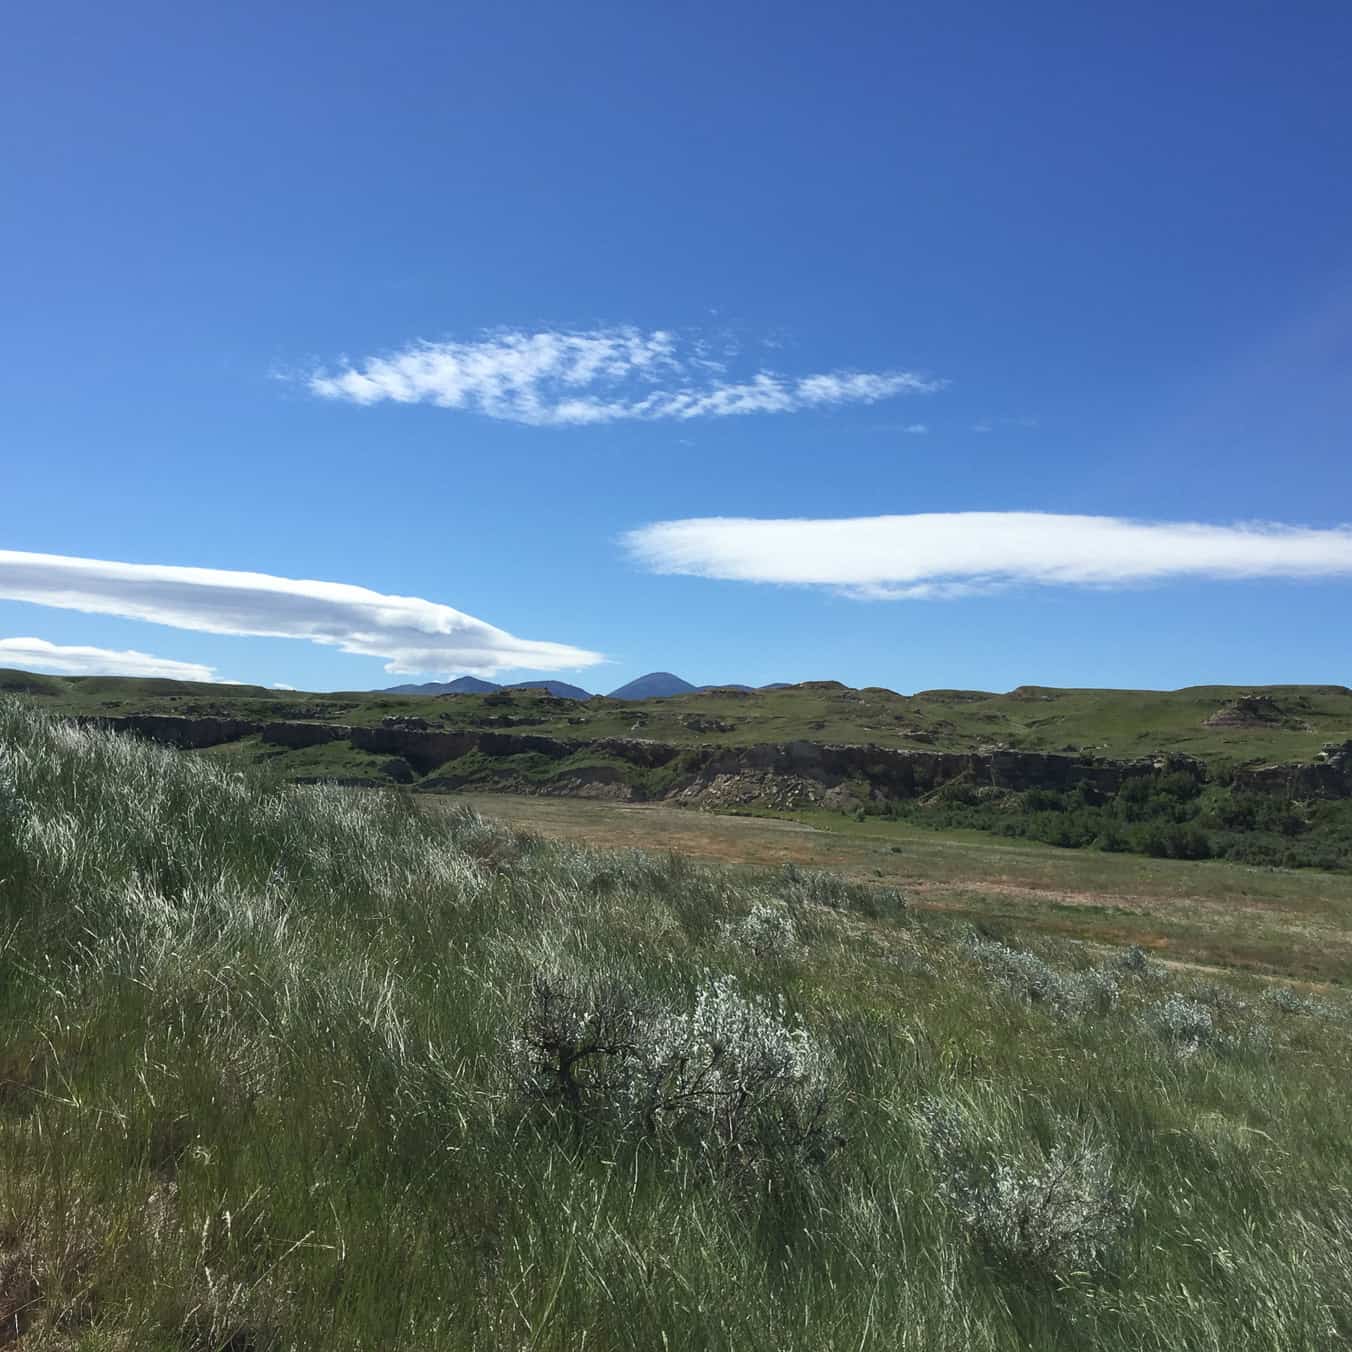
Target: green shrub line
297	1067
1168	815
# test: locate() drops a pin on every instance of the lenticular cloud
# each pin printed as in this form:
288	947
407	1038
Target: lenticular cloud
37	654
949	554
413	635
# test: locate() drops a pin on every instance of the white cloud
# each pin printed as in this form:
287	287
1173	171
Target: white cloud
552	379
412	634
281	685
36	654
938	556
917	429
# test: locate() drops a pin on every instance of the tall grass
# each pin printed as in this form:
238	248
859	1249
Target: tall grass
261	1087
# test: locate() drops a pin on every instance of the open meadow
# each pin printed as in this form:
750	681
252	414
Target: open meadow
1291	922
310	1068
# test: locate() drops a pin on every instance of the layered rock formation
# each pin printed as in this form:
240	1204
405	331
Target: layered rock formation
1248	711
777	773
1328	776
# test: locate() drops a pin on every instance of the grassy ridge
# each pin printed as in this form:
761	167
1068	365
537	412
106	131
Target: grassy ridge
1172	816
1113	723
277	1075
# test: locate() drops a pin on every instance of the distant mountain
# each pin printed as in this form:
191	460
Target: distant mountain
462	685
655	685
472	685
560	689
750	689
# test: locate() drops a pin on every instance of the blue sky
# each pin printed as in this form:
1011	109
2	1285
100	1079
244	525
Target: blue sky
448	305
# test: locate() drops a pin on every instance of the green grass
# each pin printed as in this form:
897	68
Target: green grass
1215	913
1179	813
331	761
1112	723
261	1088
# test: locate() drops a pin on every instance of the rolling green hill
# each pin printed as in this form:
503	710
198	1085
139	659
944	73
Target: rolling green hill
1292	724
1256	776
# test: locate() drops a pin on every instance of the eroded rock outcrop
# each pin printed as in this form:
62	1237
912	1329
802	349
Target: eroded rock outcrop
422	750
796	773
294	736
1328	776
1248	711
189	734
812	769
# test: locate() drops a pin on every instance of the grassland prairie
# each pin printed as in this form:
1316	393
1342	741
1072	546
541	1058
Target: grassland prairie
310	1068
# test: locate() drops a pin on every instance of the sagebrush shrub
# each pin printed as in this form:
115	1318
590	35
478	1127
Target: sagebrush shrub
576	1037
766	930
735	1075
1220	999
1190	1027
1285	1000
1030	978
1186	1025
1056	1217
1136	963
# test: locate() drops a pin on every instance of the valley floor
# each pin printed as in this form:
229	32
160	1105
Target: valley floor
1294	923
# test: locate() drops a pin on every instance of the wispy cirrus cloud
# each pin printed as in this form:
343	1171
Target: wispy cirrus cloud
569	379
944	555
36	654
411	634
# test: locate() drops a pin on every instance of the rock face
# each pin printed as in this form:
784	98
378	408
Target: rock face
1329	776
296	735
775	774
703	723
1248	711
422	750
893	773
189	734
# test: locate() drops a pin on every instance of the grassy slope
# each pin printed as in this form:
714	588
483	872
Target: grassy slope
256	1094
1105	722
1123	723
